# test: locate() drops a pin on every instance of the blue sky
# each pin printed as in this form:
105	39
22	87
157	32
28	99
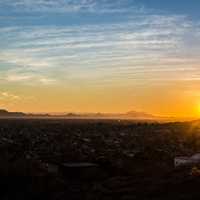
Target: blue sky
67	12
190	8
130	45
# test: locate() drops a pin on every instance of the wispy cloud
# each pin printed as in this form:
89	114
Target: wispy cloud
28	79
145	47
9	99
7	95
100	6
20	75
18	78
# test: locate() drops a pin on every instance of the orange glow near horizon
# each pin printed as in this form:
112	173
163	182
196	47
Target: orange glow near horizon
159	101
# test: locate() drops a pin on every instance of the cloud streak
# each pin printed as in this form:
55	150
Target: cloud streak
146	47
69	6
7	95
20	77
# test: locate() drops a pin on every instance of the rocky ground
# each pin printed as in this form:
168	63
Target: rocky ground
96	159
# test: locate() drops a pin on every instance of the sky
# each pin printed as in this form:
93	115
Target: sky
110	56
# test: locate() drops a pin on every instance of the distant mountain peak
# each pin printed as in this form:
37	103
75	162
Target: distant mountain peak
3	111
139	114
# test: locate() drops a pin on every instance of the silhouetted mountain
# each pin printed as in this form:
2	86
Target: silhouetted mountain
136	114
5	113
128	115
132	115
37	115
71	115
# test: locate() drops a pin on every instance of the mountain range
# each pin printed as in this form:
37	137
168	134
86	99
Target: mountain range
132	115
